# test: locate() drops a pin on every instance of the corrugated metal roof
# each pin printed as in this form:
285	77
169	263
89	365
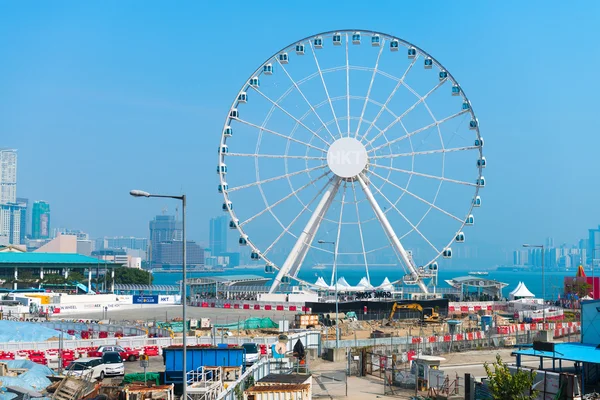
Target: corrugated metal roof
567	351
49	258
278	388
284	378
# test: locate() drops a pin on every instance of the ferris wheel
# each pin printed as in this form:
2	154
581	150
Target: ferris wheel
354	148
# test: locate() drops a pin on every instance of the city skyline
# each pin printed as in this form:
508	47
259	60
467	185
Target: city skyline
534	180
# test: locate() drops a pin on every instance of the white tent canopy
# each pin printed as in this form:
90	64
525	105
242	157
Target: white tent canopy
321	283
342	283
520	291
364	283
386	285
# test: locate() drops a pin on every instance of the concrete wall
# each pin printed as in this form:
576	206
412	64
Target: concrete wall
590	322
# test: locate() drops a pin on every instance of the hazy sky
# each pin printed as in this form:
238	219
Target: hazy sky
103	97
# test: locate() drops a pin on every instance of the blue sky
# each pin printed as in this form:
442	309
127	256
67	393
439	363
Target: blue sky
103	97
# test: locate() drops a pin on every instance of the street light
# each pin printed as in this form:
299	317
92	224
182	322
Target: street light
541	246
141	193
337	332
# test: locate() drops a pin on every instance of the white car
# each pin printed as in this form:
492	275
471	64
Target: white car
252	353
110	364
85	367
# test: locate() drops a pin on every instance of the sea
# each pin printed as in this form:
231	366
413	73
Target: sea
532	279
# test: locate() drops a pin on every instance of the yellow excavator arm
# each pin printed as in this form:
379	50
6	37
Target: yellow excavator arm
411	306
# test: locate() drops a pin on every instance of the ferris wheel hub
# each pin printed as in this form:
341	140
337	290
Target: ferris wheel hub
347	157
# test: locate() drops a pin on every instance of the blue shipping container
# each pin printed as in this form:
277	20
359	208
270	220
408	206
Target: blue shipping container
200	357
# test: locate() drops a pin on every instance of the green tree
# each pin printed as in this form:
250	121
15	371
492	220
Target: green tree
579	287
76	277
55	279
126	275
506	386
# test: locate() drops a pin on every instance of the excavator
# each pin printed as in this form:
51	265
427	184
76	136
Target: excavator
431	316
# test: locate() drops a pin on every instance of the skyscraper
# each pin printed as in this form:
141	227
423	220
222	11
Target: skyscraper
8	176
218	236
40	224
10	223
164	228
25	217
594	246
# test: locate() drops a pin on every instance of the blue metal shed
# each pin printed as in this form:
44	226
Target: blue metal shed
200	357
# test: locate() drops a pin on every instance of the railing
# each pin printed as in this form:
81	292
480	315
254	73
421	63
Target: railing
257	371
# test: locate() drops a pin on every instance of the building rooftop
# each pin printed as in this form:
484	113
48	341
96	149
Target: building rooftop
579	352
230	280
278	388
475	281
16	259
294	379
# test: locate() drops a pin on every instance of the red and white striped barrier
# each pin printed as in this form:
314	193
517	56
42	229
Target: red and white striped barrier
252	306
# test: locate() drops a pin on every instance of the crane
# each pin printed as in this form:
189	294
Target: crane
431	317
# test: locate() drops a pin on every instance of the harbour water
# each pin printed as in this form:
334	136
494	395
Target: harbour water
532	279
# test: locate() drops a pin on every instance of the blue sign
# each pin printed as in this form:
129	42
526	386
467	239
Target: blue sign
145	299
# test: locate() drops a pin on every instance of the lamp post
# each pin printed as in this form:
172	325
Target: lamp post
140	193
337	331
541	246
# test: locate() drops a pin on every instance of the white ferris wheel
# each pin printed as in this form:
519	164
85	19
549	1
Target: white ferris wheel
354	148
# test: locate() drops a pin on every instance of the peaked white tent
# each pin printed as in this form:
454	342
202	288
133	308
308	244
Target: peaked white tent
364	283
386	285
321	283
520	292
342	283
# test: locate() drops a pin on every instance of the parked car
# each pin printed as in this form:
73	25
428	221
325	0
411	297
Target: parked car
129	354
110	364
252	353
113	364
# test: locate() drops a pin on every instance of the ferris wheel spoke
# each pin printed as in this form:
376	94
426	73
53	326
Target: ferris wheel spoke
286	112
362	114
295	192
294	260
304	209
393	238
281	135
276	178
347	89
360	232
424	128
439	178
336	246
419	153
258	155
407	111
325	87
417	197
415	228
305	99
391	96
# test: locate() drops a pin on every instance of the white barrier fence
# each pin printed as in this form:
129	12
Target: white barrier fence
310	339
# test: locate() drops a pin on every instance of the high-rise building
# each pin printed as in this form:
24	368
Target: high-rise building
163	228
10	223
594	246
171	253
25	217
40	220
549	242
218	235
8	176
121	242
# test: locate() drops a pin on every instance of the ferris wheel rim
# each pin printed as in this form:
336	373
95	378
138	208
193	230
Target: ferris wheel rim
384	36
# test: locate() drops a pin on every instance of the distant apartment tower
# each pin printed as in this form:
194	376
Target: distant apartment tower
8	176
164	228
25	217
171	253
593	253
218	235
40	220
121	242
11	218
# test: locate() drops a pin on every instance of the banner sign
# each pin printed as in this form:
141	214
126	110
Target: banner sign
145	299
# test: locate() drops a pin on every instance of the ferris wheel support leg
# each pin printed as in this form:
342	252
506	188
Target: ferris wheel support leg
296	257
387	227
